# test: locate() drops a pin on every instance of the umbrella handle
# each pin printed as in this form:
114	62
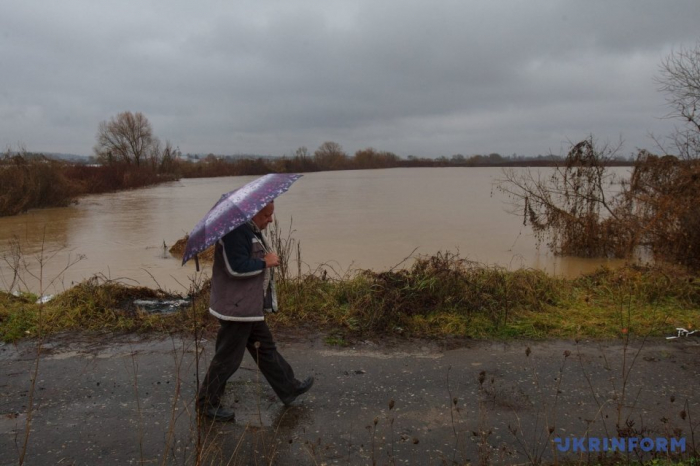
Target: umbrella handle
196	262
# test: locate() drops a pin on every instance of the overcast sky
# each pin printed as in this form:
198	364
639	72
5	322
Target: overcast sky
424	78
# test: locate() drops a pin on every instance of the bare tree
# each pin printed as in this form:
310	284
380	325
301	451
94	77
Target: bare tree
572	206
304	159
168	158
584	210
126	138
154	154
371	158
680	80
366	158
330	156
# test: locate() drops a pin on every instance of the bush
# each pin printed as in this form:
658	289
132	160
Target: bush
34	182
655	211
444	283
31	183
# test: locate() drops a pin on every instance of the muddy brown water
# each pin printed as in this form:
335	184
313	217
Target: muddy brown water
343	220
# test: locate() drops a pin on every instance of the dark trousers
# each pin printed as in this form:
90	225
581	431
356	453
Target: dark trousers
231	342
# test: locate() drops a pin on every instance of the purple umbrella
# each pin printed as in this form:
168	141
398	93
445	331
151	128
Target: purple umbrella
234	209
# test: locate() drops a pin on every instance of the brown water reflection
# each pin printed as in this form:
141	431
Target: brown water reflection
355	219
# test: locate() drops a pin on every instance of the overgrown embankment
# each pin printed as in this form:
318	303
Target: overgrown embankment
438	296
36	182
444	295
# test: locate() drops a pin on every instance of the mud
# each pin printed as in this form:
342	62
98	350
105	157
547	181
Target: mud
105	399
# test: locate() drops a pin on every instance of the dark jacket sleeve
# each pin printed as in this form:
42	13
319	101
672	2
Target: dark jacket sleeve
238	247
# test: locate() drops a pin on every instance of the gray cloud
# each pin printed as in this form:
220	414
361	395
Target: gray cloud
422	78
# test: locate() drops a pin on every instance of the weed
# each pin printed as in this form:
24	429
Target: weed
438	296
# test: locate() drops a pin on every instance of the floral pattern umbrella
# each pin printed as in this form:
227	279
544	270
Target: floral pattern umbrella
234	209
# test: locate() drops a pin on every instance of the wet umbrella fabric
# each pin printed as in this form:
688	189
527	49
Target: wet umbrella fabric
234	209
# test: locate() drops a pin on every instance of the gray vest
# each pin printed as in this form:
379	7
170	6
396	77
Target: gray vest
239	296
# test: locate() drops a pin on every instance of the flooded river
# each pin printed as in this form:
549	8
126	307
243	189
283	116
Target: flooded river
343	220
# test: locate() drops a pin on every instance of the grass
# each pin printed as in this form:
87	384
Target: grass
444	295
94	305
438	296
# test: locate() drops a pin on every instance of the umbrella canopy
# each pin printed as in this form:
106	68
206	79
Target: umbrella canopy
234	209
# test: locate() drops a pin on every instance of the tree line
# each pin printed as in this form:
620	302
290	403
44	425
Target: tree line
128	139
331	156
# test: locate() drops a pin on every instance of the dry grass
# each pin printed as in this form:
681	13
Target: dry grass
441	295
445	295
96	305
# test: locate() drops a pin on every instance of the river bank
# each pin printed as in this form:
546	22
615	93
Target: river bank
442	296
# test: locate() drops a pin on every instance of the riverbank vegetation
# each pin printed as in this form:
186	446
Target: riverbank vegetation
442	296
583	210
32	181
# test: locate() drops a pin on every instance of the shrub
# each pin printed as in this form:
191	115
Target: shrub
30	183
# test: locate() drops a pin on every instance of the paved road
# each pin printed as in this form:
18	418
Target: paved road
128	400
